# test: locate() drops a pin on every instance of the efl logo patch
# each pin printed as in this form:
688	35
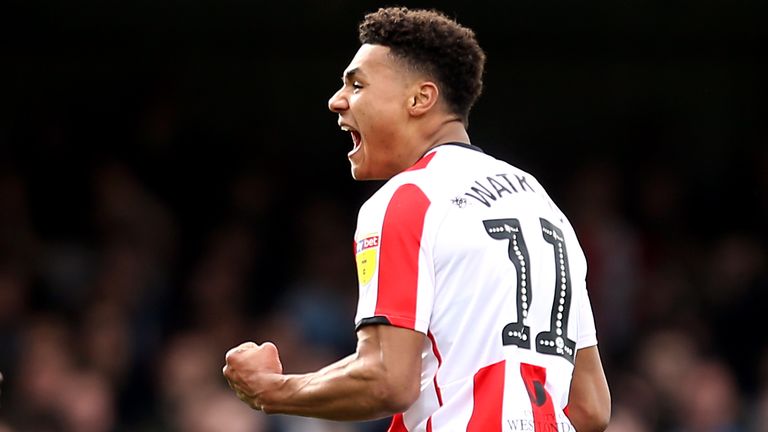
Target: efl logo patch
366	254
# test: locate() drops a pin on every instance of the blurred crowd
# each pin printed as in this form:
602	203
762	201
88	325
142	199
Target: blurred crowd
124	327
119	330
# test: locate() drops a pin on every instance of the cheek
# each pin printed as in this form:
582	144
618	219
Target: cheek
381	119
374	105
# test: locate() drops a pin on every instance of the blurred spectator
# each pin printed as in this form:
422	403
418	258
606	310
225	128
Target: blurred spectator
106	343
87	403
758	414
46	364
613	252
219	412
624	419
707	399
322	299
189	369
735	290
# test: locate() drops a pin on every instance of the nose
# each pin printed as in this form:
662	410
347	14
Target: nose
338	102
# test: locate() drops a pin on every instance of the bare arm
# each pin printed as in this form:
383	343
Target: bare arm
380	379
589	401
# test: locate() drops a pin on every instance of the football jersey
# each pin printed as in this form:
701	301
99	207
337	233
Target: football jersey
473	253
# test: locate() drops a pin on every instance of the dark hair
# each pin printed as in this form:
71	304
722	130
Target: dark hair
430	42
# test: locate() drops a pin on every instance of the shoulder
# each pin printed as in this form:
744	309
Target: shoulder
438	178
405	195
400	195
444	167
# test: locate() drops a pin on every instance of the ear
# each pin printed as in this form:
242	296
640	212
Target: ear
423	99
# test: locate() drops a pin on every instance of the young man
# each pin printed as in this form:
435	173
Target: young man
473	311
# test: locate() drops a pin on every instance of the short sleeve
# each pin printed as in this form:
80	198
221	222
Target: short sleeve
587	332
393	262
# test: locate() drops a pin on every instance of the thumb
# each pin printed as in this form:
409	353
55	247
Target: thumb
270	349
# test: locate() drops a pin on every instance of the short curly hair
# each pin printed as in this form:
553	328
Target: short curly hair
430	42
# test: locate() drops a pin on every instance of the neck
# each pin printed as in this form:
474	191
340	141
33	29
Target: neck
447	130
451	130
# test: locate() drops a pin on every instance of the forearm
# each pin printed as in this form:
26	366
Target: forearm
351	389
381	378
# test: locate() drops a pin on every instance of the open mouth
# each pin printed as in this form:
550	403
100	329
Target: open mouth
356	139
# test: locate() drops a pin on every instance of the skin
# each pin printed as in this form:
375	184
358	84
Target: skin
395	116
398	114
380	379
589	400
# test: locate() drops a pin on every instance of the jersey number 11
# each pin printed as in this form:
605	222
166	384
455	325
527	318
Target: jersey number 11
555	340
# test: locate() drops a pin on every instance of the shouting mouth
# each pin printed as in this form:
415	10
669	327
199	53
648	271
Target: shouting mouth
356	139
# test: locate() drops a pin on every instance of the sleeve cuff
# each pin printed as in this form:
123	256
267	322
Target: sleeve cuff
371	321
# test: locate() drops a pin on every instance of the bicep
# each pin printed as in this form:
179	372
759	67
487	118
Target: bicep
588	374
589	402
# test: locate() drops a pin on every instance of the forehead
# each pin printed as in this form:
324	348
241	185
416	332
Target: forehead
371	59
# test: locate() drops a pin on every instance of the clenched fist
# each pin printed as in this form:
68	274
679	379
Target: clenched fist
252	370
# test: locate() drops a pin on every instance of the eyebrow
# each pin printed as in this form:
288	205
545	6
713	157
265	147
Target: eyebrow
351	74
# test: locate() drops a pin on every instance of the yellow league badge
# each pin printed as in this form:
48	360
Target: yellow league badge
366	255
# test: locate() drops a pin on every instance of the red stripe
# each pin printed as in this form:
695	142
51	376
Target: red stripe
437	387
488	397
422	163
397	424
535	377
399	248
439	363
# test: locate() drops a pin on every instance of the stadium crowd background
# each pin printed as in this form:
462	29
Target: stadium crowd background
171	184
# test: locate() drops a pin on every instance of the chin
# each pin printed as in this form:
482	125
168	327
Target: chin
357	175
362	175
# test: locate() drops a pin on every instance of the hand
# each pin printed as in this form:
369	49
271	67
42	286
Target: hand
251	370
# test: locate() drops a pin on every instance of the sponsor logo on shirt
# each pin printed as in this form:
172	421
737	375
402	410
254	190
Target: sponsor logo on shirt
546	422
533	425
366	257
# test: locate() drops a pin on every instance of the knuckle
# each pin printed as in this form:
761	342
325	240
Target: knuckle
231	353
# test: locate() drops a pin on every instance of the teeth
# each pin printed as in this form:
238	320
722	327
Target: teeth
345	128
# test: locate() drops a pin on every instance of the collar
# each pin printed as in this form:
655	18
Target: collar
459	144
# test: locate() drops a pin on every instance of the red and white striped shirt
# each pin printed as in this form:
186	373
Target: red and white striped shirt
473	253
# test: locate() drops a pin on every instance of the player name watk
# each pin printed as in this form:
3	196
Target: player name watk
488	190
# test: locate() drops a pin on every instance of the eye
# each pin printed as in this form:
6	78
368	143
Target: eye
356	85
